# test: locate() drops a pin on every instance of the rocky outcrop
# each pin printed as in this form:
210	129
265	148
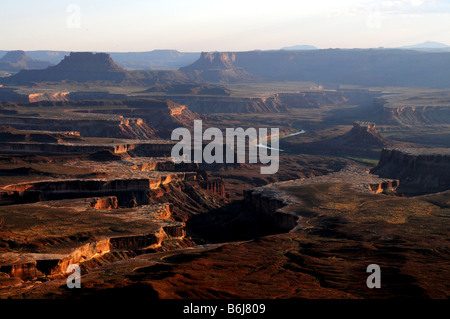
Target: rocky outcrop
109	202
419	170
19	266
384	187
175	231
364	134
57	96
215	186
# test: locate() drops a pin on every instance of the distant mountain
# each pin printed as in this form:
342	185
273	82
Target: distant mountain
426	45
17	60
363	67
79	66
300	47
366	67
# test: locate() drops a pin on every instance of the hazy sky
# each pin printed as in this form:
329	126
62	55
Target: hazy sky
232	25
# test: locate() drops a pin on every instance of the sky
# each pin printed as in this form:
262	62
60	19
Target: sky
211	25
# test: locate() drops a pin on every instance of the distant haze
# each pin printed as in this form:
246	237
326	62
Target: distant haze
200	25
300	47
427	45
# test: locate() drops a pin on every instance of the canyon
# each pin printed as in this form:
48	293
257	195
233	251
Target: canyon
87	178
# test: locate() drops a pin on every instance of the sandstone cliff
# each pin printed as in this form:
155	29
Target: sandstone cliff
419	170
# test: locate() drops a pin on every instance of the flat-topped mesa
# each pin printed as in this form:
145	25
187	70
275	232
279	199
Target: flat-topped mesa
420	170
213	60
78	66
89	61
215	186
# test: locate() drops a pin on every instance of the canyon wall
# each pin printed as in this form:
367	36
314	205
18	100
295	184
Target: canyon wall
269	206
132	128
419	170
392	113
224	104
30	266
150	149
124	191
276	103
